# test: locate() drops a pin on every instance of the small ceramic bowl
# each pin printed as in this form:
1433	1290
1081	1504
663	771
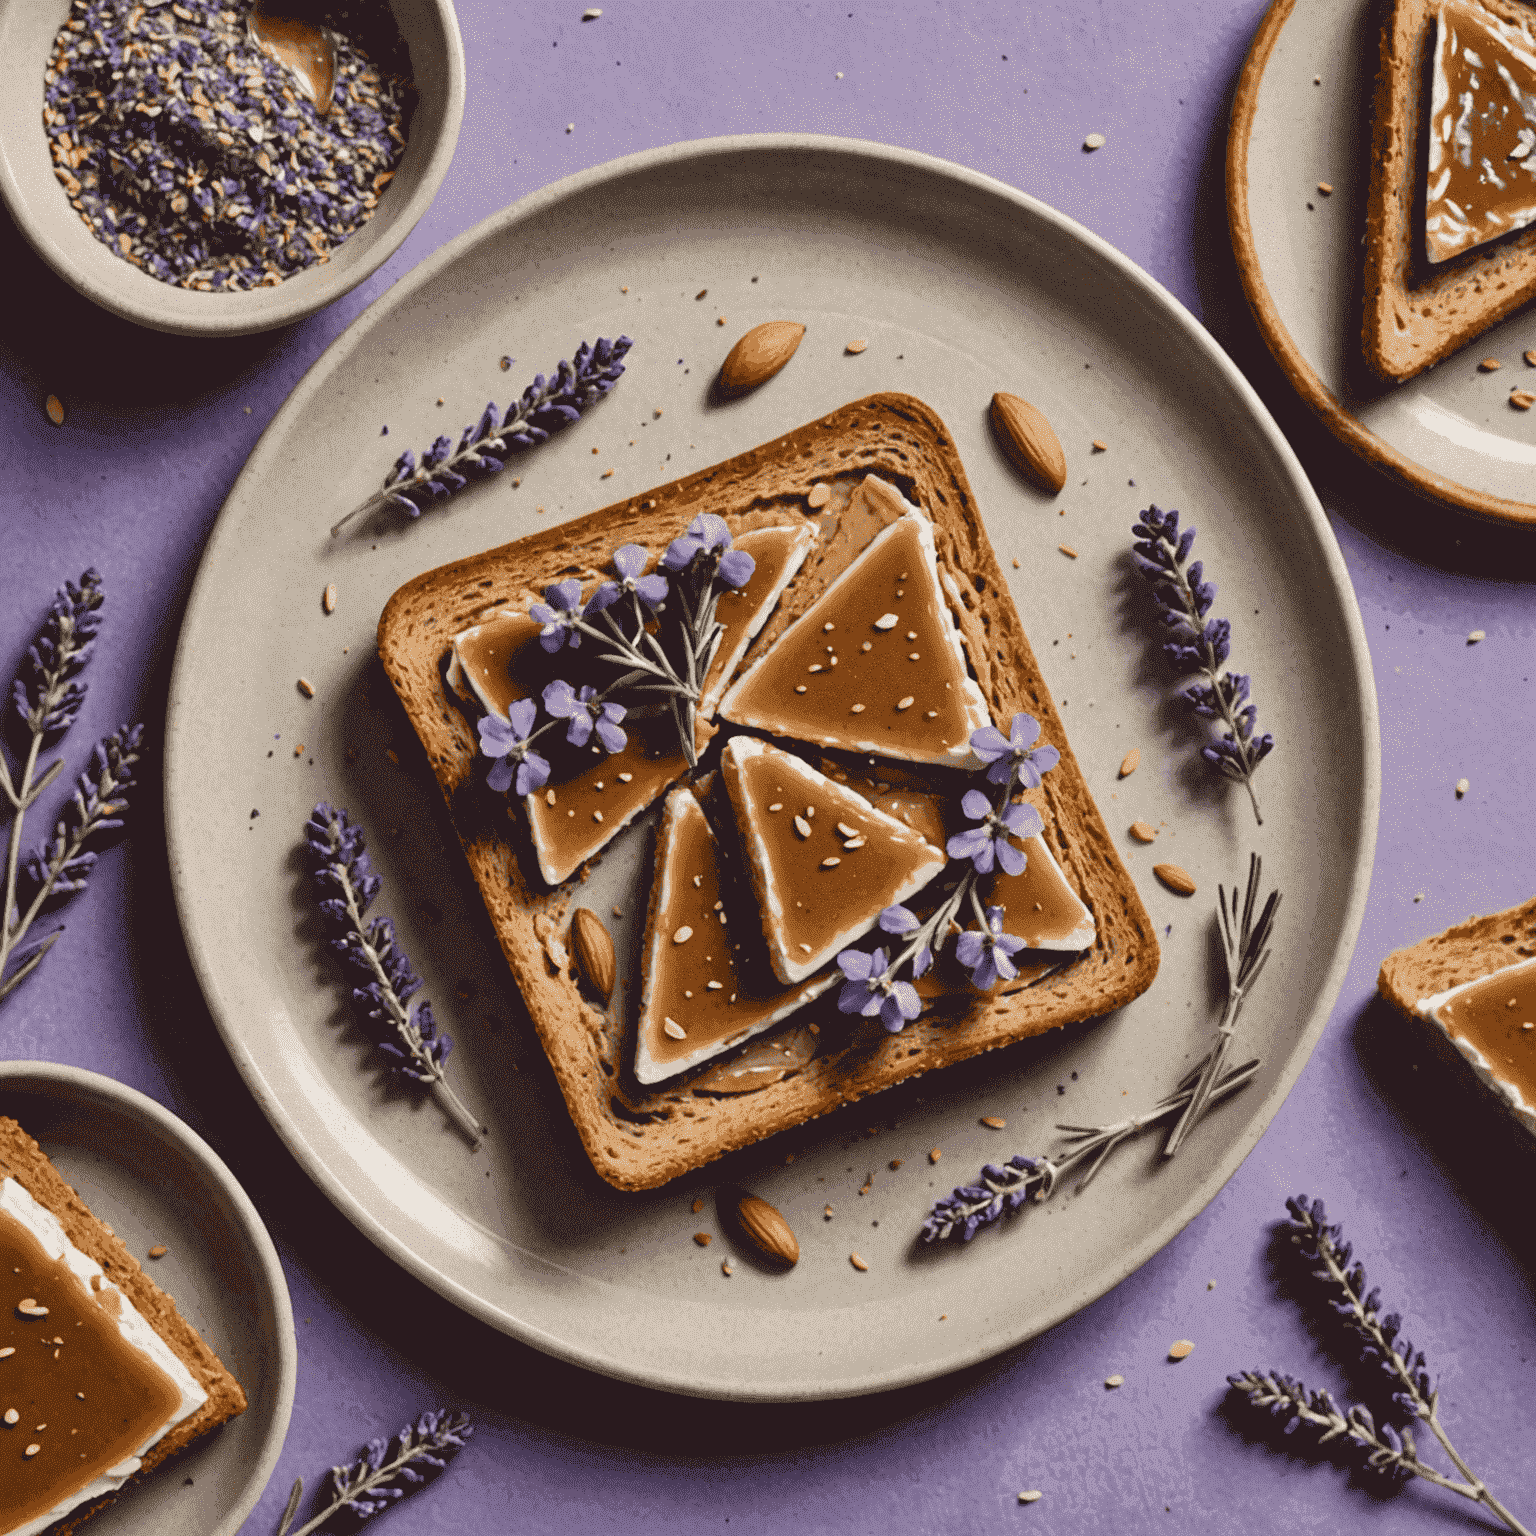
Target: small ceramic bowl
42	212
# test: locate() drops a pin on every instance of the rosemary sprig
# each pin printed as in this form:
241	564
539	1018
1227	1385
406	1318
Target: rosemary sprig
545	407
347	885
1200	645
1320	1244
1245	944
377	1479
1005	1189
47	696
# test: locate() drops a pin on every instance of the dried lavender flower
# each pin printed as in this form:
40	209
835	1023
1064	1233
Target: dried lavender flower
378	1479
544	408
1320	1246
1006	1188
47	696
347	885
1200	645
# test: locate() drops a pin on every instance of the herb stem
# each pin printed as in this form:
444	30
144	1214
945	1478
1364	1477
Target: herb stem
400	1016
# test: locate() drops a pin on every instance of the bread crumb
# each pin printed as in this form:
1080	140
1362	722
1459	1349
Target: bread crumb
1116	1380
993	1122
934	1154
1462	786
159	1251
1142	832
856	346
328	598
1210	1285
725	1268
698	1205
306	687
1521	399
1489	365
1180	1349
1130	762
857	1262
1476	635
1326	188
1530	359
1094	141
1016	562
1100	446
703	1239
55	408
895	1163
1068	551
1031	1495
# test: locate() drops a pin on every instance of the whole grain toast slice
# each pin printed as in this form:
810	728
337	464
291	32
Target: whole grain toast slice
1416	313
23	1160
637	1137
1463	953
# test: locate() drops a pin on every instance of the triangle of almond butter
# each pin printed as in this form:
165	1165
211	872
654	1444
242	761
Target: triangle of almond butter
692	979
823	861
1418	311
874	665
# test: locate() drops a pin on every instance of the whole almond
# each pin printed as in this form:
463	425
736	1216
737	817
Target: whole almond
1026	437
1177	880
1130	762
767	1230
759	355
593	948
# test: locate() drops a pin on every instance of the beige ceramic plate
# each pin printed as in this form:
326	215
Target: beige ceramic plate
1302	116
960	286
155	1181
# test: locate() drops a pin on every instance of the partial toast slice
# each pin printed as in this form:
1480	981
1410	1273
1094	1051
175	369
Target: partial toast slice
640	1136
1419	310
22	1160
1476	983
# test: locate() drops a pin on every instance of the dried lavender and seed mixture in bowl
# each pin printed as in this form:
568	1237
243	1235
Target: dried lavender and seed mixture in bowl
197	156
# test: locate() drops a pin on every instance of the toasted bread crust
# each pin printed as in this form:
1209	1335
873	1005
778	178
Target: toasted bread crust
1414	317
638	1139
23	1160
1463	953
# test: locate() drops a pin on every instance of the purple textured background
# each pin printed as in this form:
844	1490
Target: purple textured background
1433	1188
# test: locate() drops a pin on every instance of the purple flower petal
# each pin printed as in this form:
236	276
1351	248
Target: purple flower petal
522	715
564	595
652	589
580	728
497	738
1024	731
611	735
969	844
922	960
976	805
605	597
680	552
500	776
853	997
989	743
711	531
736	567
969	946
898	920
560	699
856	964
1022	820
532	774
1011	859
629	560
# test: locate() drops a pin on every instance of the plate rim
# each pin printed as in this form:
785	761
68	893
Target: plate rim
1302	376
51	1078
181	735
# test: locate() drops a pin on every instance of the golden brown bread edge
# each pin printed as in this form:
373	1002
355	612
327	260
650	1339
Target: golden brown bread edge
1463	953
1409	325
638	1139
23	1160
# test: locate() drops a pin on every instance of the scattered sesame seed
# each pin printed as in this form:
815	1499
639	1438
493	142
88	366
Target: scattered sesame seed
846	830
55	408
855	709
673	1028
725	1268
1142	832
1099	446
802	826
993	1122
1326	188
32	1450
1114	1381
1489	365
328	599
624	778
1476	635
1094	141
778	805
1462	786
159	1251
830	863
682	935
905	703
807	949
306	687
1030	1495
857	1263
11	1416
931	714
1068	551
1180	1349
856	346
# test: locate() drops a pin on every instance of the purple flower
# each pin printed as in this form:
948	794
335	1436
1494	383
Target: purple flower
506	741
990	841
899	920
1012	752
868	989
988	954
629	561
583	709
558	614
706	535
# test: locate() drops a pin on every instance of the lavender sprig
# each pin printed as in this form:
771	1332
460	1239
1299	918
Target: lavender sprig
1245	945
1022	1180
1321	1243
1200	645
343	876
377	1479
871	983
544	408
47	696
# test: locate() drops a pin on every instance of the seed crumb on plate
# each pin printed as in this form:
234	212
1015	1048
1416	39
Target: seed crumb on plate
856	346
1489	365
1032	1495
935	1153
1094	141
1181	1349
1462	786
55	408
703	1239
1068	551
1476	635
1117	1380
993	1122
857	1262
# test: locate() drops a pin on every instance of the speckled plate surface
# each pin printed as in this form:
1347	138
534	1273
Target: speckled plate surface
1302	115
153	1180
960	286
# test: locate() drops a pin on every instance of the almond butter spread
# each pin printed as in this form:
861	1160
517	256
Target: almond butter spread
1482	131
1497	1014
80	1392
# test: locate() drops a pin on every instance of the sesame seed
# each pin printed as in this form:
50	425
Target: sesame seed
856	346
1476	636
549	797
932	714
1181	1349
828	627
328	601
993	1122
814	667
11	1416
852	843
1032	1495
306	687
673	1028
914	656
624	778
799	687
1462	786
778	805
597	815
856	709
830	863
802	826
1068	551
682	935
55	410
32	1450
806	948
713	986
905	703
857	1263
1116	1380
886	621
846	830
